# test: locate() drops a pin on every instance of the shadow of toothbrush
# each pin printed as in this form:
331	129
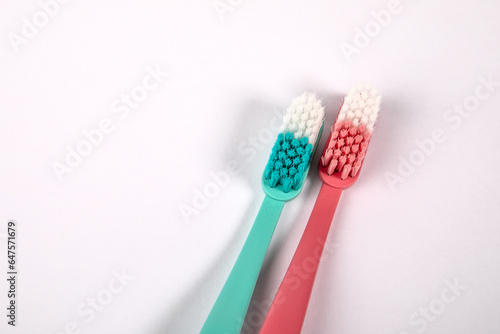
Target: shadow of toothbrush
189	315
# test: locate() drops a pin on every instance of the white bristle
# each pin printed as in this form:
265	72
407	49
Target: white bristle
304	117
361	106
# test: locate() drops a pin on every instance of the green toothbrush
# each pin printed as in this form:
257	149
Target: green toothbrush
282	181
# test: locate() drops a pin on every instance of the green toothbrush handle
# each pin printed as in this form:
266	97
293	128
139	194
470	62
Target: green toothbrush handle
228	313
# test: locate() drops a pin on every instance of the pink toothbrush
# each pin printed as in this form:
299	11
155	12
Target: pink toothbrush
338	169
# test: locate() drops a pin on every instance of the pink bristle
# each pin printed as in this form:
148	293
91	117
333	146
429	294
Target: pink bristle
359	158
358	139
363	146
351	133
355	168
345	172
332	166
342	161
325	160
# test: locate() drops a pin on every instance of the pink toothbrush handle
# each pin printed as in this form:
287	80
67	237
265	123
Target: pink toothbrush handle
289	306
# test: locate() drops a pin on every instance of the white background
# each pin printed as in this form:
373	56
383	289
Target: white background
119	210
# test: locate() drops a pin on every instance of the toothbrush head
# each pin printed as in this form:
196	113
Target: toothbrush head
291	155
347	144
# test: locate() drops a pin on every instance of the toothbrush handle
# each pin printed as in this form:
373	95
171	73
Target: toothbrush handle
228	313
288	309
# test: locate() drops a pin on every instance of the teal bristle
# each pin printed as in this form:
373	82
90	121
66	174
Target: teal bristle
281	137
287	184
301	168
296	180
288	161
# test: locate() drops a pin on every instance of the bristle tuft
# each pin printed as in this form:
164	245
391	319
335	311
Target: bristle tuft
288	161
304	117
352	131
